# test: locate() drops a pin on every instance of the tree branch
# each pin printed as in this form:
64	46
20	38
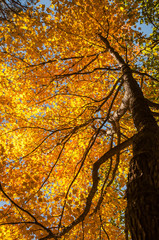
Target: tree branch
138	106
95	180
152	104
26	211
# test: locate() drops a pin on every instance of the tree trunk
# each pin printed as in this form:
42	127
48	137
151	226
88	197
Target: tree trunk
143	187
143	179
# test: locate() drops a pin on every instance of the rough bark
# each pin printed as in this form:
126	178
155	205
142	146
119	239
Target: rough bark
143	179
143	187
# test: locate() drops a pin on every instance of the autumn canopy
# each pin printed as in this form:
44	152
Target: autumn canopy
77	79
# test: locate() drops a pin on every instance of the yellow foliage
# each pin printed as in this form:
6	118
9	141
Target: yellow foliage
56	95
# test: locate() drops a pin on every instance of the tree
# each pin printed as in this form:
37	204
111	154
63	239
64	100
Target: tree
75	97
10	7
149	16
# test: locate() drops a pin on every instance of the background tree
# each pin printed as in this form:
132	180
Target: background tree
74	98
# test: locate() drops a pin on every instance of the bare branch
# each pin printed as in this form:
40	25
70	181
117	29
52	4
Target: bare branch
26	211
145	74
152	104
